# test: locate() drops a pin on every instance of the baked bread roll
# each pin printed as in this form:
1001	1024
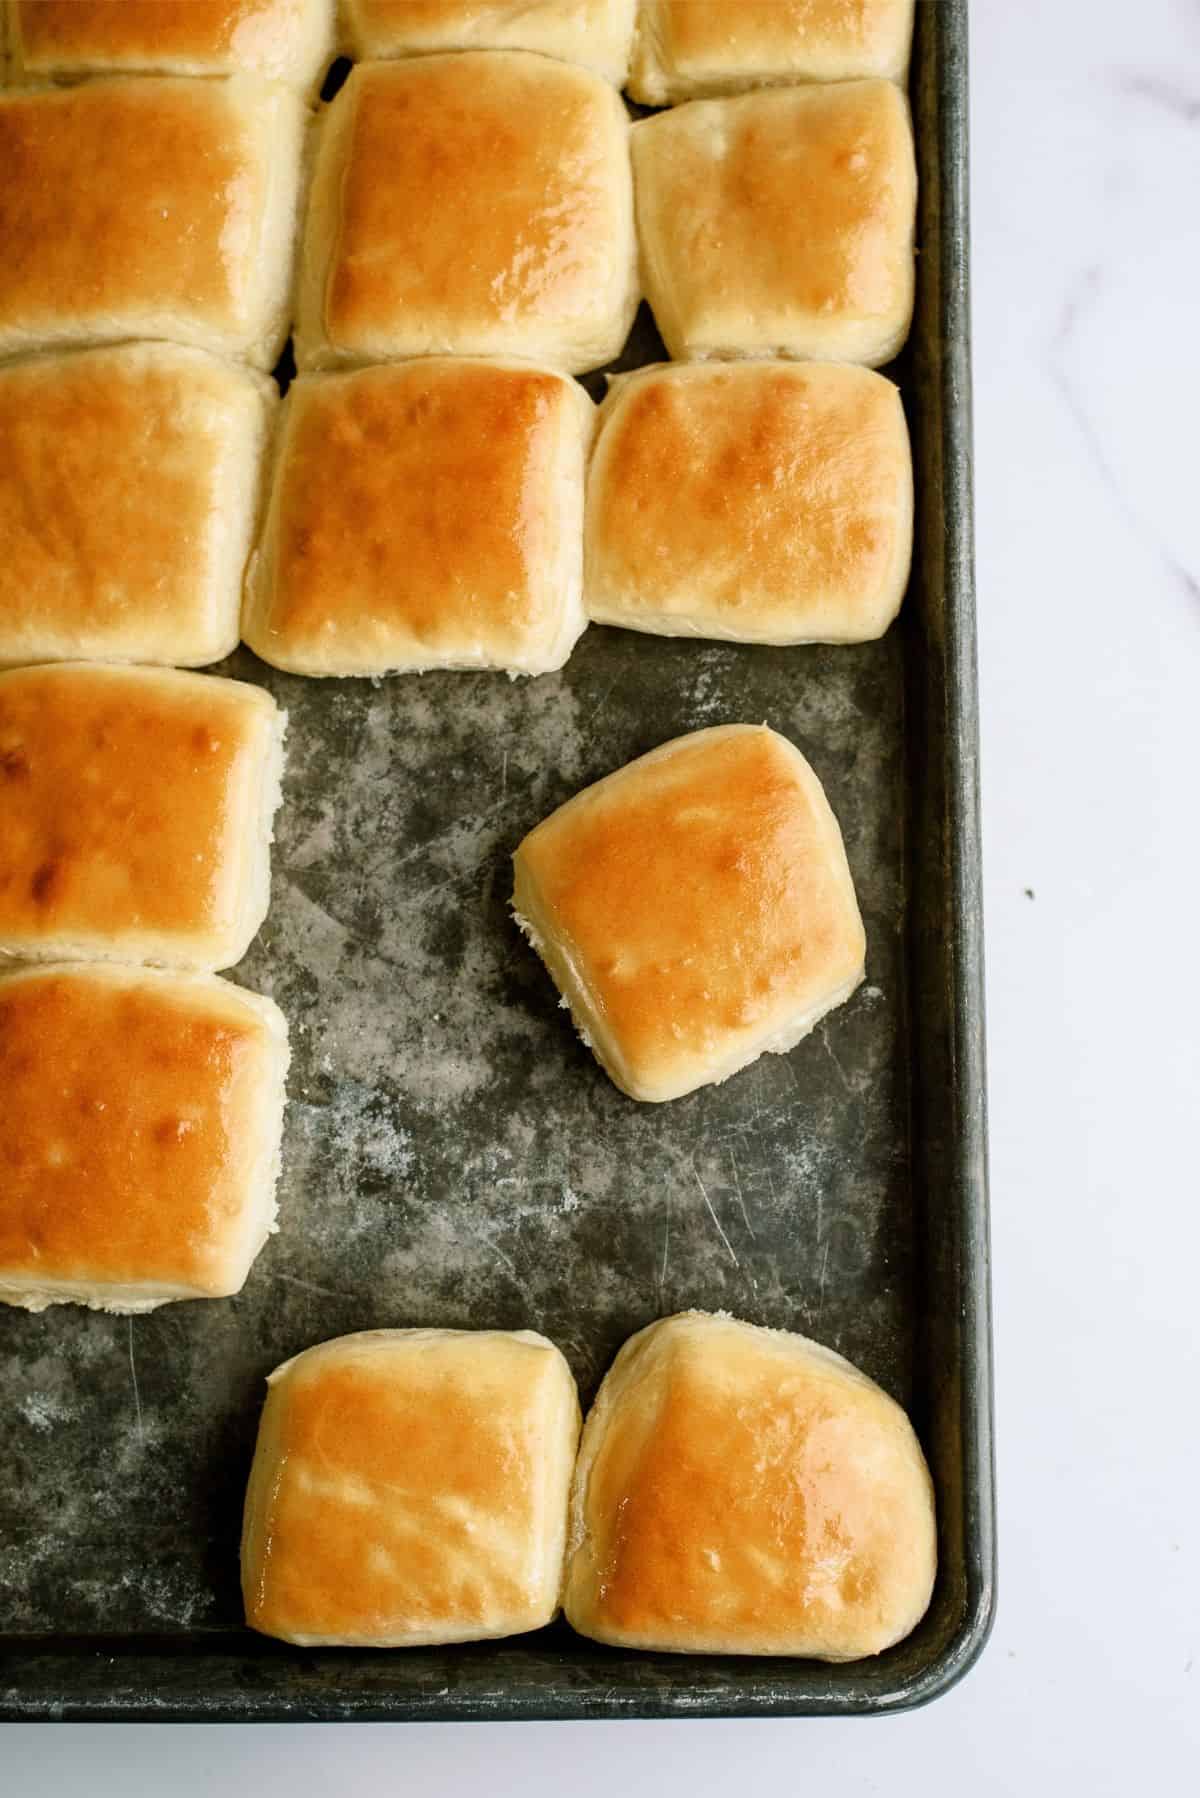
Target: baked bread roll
686	49
694	909
149	208
747	1491
780	223
281	40
410	1486
476	205
135	814
424	515
759	502
139	1135
129	486
594	33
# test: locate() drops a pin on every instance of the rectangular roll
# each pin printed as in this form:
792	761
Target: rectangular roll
280	40
476	205
758	502
156	207
690	49
409	1487
139	1135
780	223
424	515
594	33
129	490
135	814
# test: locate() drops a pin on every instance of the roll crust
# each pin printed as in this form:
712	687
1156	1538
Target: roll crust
759	502
689	49
149	208
425	515
280	40
597	34
695	909
129	485
747	1491
780	223
477	204
135	814
409	1487
139	1135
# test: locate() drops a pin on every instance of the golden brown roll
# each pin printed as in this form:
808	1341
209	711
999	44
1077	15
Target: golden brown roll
129	489
759	502
427	514
594	33
780	223
135	814
477	205
747	1491
687	49
139	1135
410	1486
282	40
695	909
159	207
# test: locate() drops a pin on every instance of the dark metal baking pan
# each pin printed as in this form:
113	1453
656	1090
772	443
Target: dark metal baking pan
454	1156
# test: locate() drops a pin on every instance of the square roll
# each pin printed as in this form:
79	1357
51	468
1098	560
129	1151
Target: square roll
424	515
594	33
149	208
129	487
695	909
479	205
760	502
139	1137
747	1491
135	814
780	223
281	40
409	1487
686	49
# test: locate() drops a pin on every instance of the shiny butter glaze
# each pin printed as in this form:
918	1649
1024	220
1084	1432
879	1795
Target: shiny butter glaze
214	34
702	897
477	203
123	802
765	499
126	1128
127	199
824	39
742	1490
418	516
400	1489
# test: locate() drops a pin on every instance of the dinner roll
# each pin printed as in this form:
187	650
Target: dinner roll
686	49
478	204
410	1486
747	1491
760	502
156	207
425	515
694	909
139	1135
129	487
780	223
135	814
283	40
595	33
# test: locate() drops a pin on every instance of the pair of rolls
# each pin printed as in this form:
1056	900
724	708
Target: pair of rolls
737	1490
432	513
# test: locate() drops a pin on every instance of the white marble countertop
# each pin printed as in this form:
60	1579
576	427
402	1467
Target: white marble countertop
1086	202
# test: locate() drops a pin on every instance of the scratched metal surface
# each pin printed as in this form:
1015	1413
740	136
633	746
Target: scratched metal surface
454	1156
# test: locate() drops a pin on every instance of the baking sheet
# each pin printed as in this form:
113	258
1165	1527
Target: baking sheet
454	1156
